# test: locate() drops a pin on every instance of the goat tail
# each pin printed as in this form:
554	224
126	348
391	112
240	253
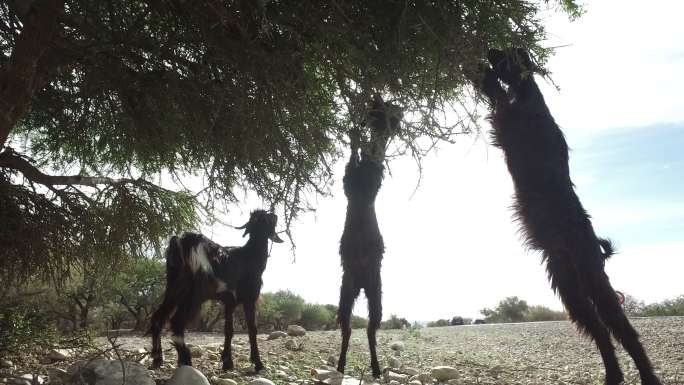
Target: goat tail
174	260
607	246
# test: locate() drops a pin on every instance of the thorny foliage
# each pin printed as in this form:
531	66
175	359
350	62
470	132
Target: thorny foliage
240	95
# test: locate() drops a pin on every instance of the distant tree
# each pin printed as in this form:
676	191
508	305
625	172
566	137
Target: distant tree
358	322
280	308
438	323
211	314
633	306
87	286
456	321
510	309
138	288
543	313
394	322
668	307
316	317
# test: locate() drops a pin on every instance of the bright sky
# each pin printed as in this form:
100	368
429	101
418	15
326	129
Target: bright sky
452	249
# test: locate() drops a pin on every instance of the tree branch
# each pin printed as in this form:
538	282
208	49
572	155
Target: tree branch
12	160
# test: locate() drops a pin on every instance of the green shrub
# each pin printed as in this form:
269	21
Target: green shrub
543	313
23	328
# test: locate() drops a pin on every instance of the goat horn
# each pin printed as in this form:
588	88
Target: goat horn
241	227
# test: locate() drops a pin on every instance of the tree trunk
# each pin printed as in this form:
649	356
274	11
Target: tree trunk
83	319
27	68
139	321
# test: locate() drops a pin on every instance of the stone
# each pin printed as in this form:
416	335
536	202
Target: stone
27	379
343	380
444	373
261	381
59	354
6	364
57	375
394	363
215	347
295	331
324	374
187	375
332	360
292	344
415	382
454	381
281	374
275	335
195	350
410	371
424	378
107	372
397	346
392	376
225	381
394	382
283	368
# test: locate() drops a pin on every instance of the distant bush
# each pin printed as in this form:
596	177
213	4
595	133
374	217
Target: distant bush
24	327
543	313
316	317
358	322
668	307
438	323
395	322
513	309
509	309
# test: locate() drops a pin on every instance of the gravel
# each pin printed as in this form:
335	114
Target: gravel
529	353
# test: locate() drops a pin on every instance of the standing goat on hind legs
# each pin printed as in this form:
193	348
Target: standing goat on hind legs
552	218
198	270
361	246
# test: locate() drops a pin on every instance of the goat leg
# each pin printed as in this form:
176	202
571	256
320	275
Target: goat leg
374	296
348	294
613	316
227	356
250	317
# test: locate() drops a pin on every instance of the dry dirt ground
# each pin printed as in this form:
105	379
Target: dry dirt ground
529	353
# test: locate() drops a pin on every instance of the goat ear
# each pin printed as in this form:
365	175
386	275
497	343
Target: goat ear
275	238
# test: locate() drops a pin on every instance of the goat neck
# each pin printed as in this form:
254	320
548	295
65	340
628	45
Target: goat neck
257	248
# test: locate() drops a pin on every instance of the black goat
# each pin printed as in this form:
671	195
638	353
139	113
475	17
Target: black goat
198	270
361	246
552	218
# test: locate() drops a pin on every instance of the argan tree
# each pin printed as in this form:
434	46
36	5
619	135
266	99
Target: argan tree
105	104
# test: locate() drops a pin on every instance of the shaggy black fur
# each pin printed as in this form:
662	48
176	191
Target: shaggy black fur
552	218
231	275
361	246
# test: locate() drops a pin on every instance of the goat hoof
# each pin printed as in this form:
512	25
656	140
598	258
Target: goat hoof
228	365
614	379
650	381
258	367
156	363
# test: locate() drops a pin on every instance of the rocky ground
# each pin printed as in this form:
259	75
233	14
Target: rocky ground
530	353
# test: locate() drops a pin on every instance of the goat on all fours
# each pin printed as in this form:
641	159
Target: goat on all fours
198	270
